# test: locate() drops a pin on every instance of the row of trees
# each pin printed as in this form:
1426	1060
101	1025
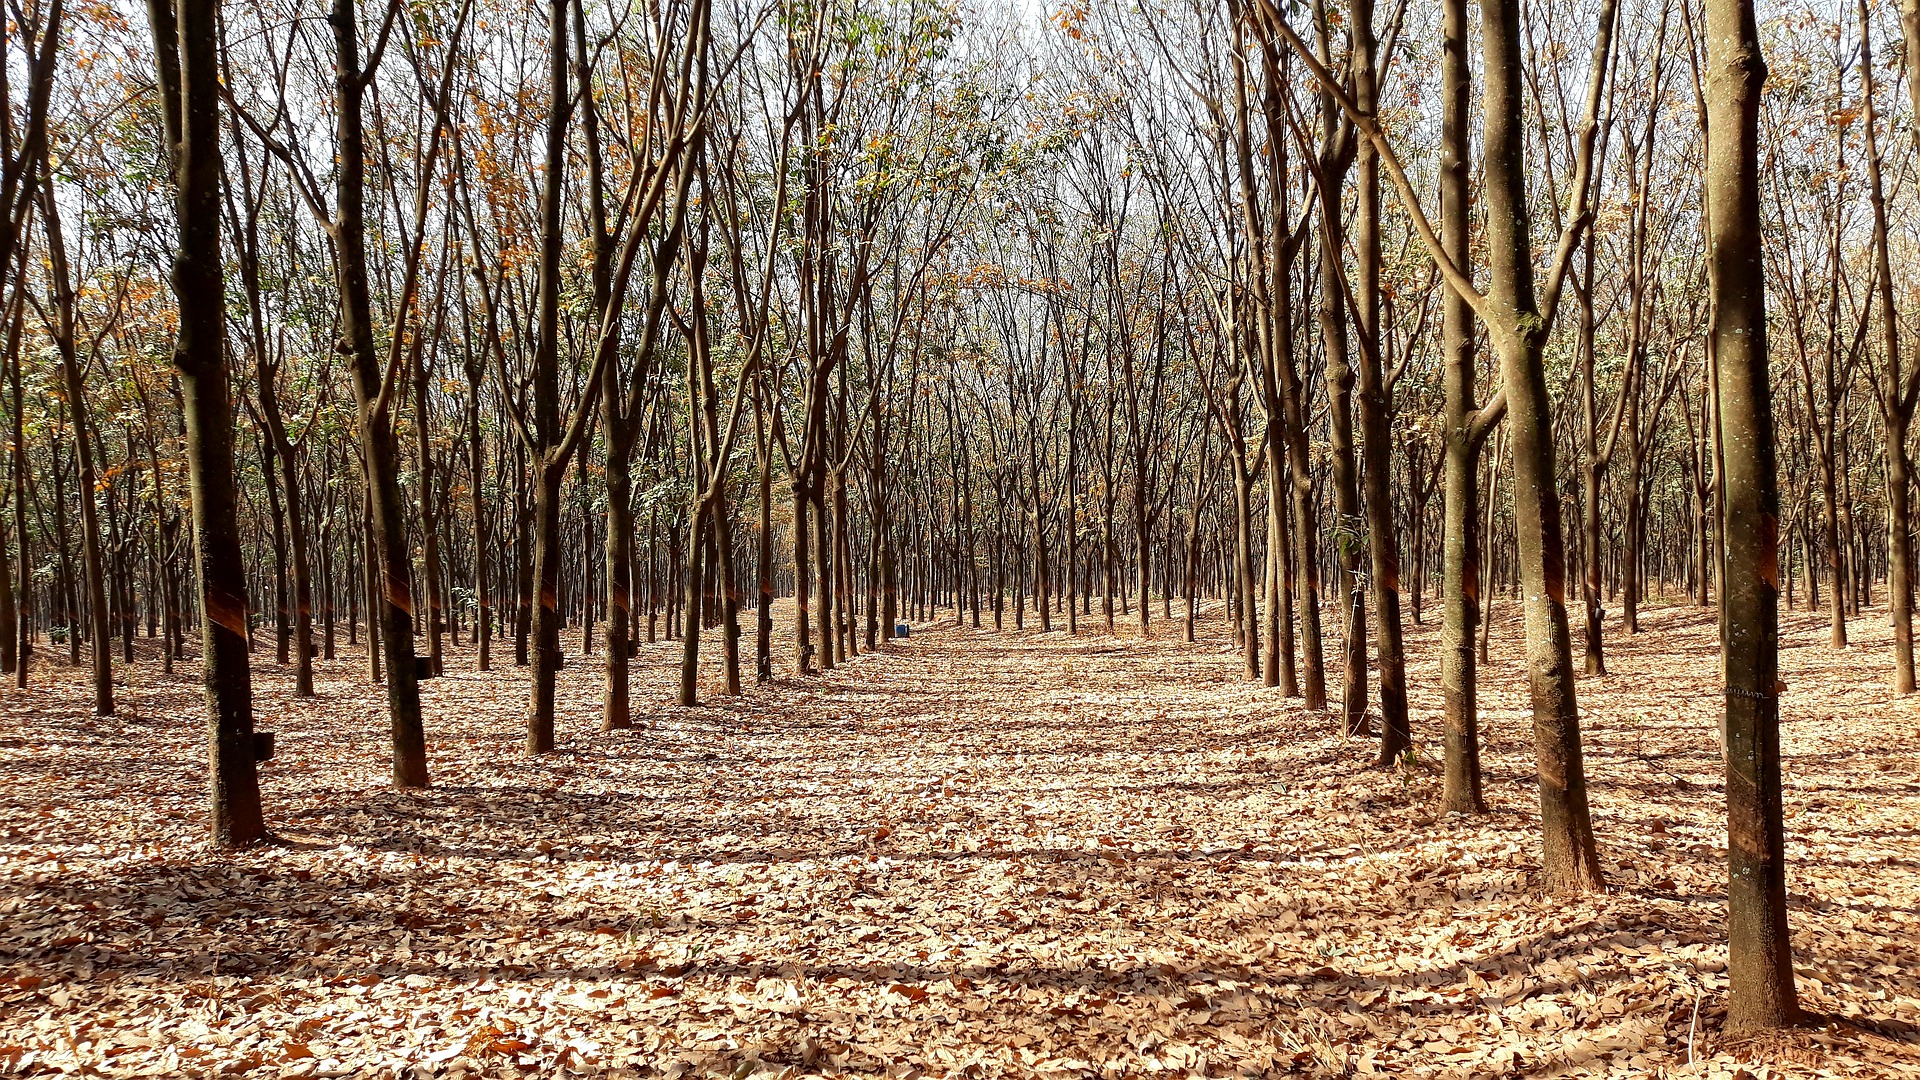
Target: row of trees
484	324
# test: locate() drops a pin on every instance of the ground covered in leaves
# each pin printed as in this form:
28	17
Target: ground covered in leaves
975	855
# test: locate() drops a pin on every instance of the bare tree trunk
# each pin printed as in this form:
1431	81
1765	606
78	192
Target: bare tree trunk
763	570
282	631
482	536
1760	954
1202	474
522	557
1467	427
280	449
548	464
24	602
803	645
369	582
429	528
616	710
1897	399
1376	410
823	561
1042	574
1570	861
697	525
100	628
1335	156
388	538
186	35
14	643
729	593
547	553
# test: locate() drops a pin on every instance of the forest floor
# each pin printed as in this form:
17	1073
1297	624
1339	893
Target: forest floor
974	855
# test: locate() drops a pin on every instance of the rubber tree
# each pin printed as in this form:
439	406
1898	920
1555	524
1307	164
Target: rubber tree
1519	318
550	445
1269	306
63	328
185	34
1376	404
1467	426
712	450
1335	157
1760	955
1284	238
1899	391
375	382
282	450
623	392
19	172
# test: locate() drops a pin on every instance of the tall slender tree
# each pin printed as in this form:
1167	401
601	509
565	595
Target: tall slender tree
186	35
1760	954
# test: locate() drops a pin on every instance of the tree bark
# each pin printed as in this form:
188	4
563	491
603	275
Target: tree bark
100	627
1465	434
388	539
1376	410
482	536
185	36
1336	154
1760	954
1570	861
1897	397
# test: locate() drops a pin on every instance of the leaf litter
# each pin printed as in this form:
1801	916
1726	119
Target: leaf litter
977	854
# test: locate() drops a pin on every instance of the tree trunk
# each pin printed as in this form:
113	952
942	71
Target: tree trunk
429	528
1306	533
1376	412
1464	432
545	632
186	41
1760	953
393	592
547	456
1896	401
802	643
1346	489
616	711
823	560
1592	473
282	630
298	555
482	536
100	627
1042	574
522	556
14	639
1570	862
1243	561
763	575
690	635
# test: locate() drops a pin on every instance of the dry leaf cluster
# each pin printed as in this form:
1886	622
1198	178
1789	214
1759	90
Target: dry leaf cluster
976	855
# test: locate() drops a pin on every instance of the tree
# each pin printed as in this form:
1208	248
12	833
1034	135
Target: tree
1467	426
375	384
1760	955
1518	320
63	328
1376	404
1899	390
185	35
549	446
